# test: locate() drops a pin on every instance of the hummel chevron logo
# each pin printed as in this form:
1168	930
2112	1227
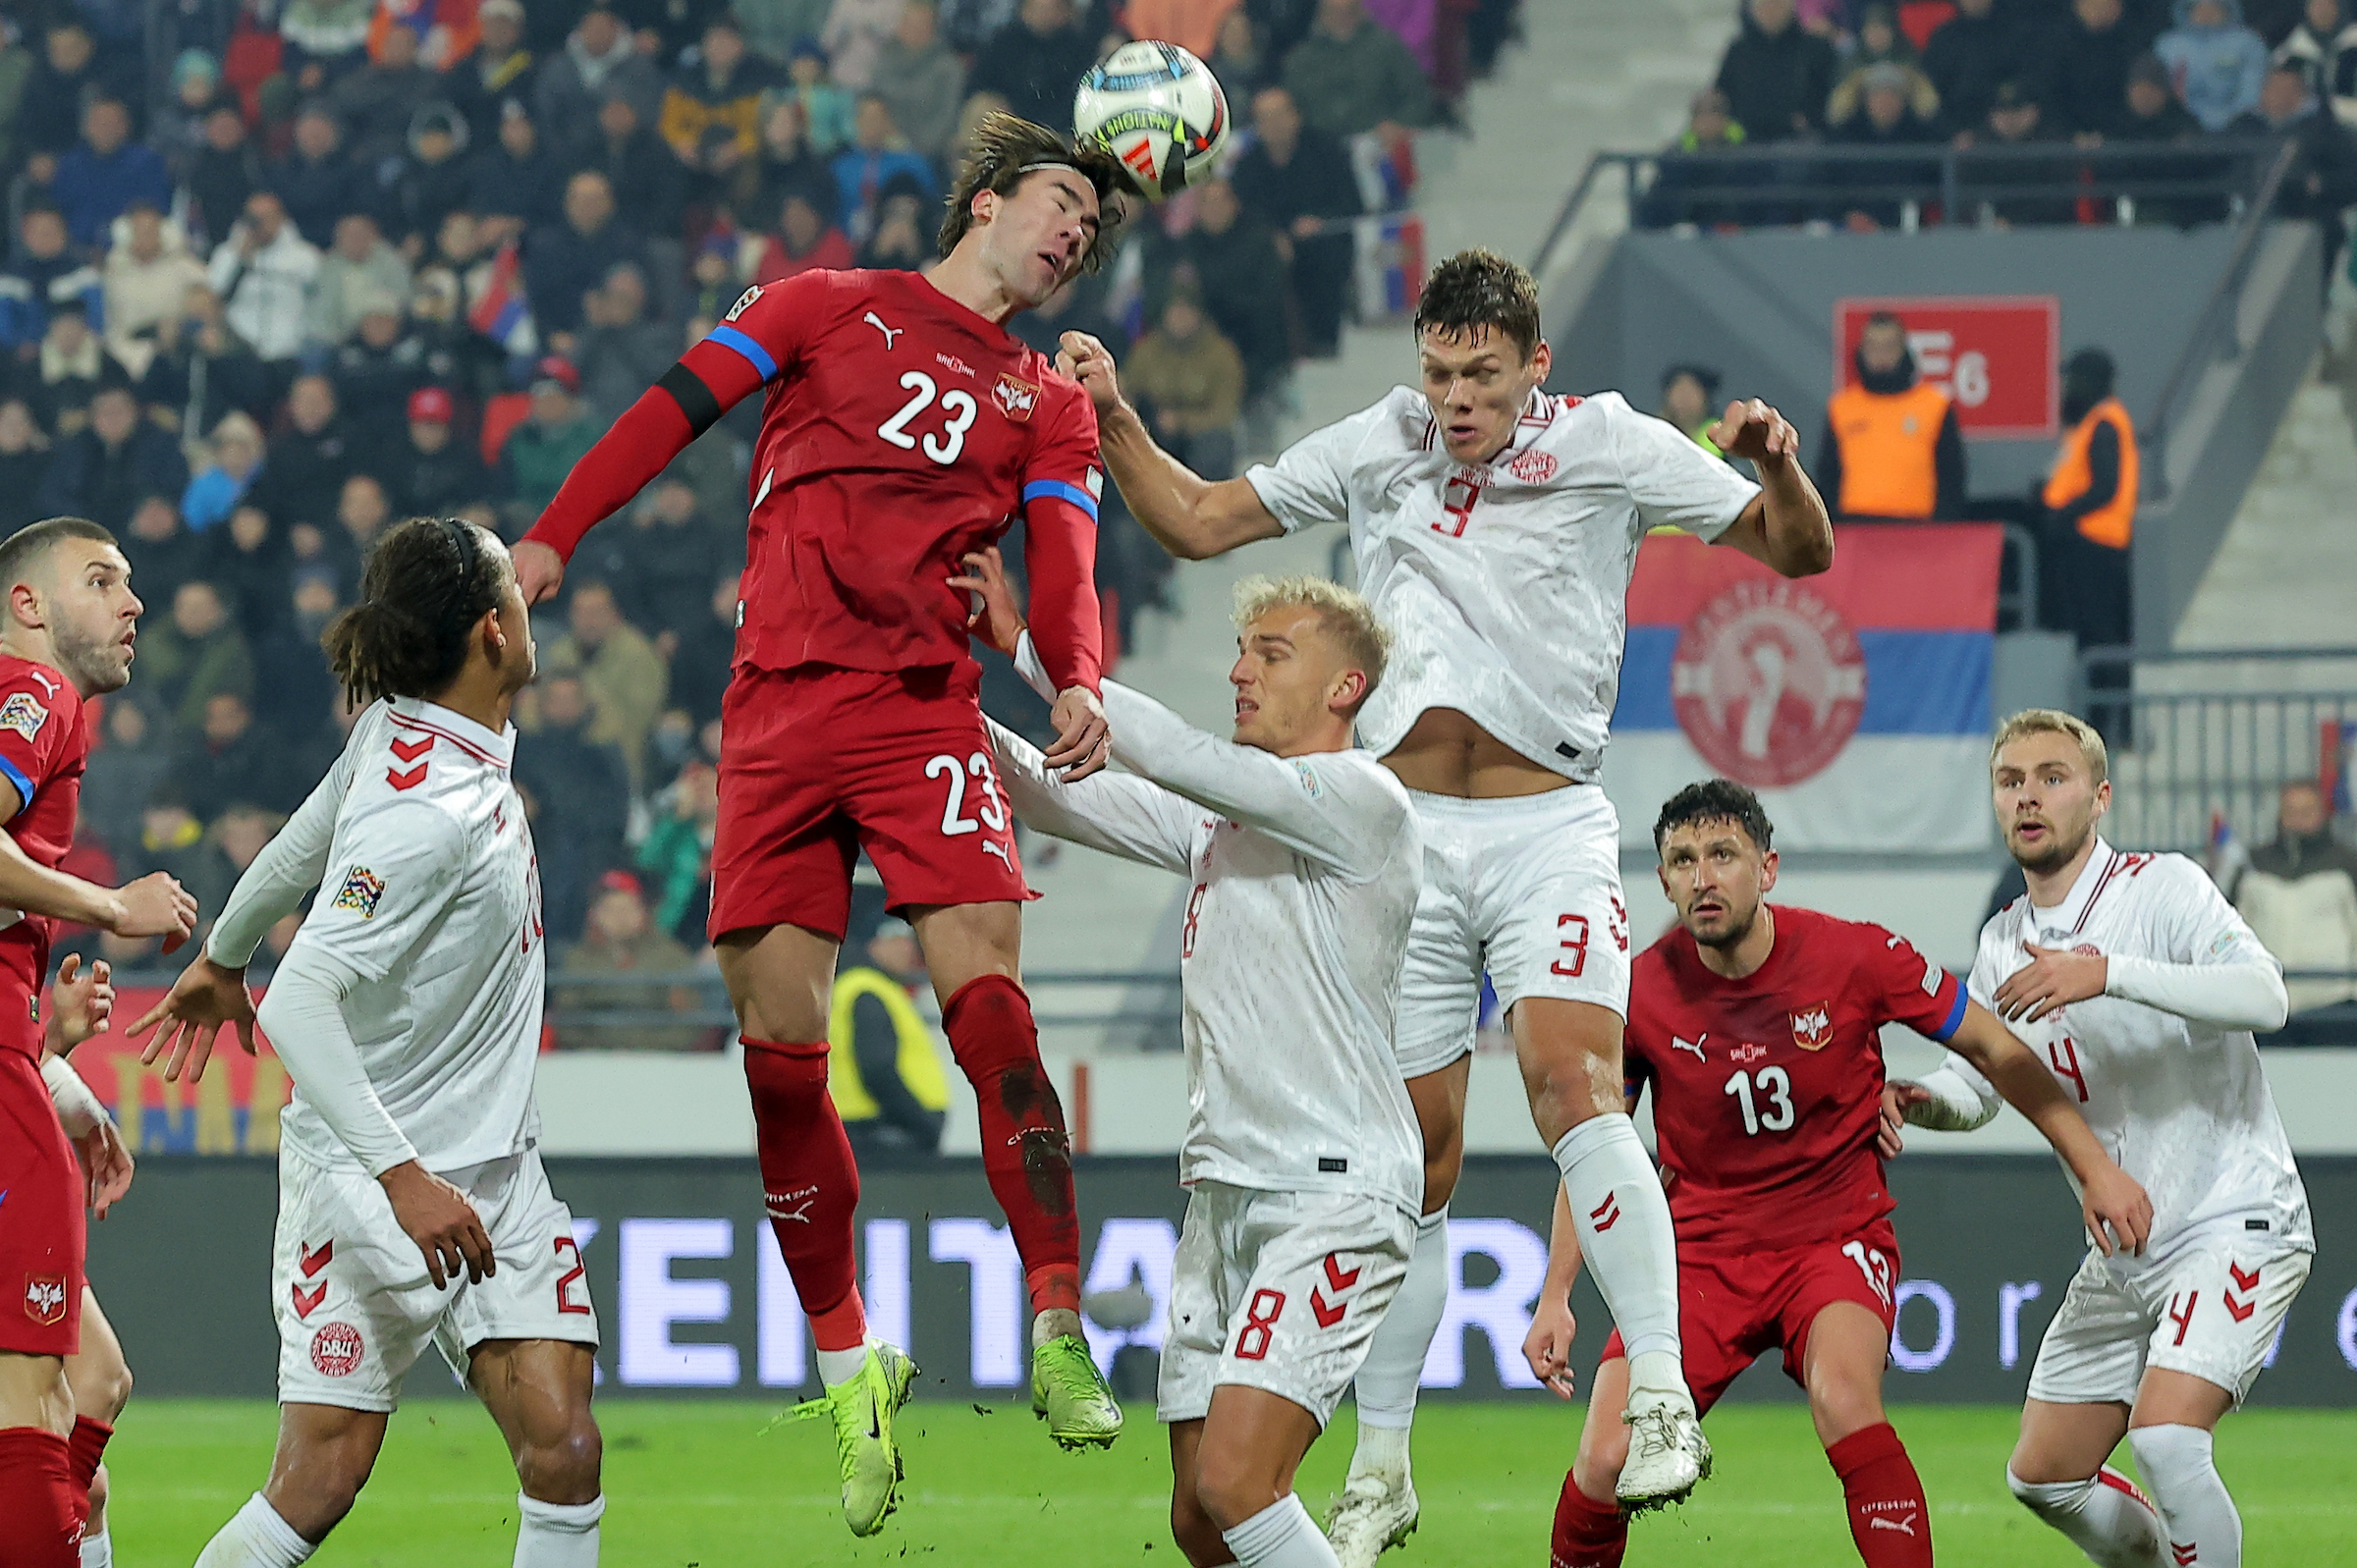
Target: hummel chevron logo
312	1261
1335	1280
2188	1555
1607	1213
2242	1281
411	750
405	781
1326	1316
2240	1310
308	1302
889	333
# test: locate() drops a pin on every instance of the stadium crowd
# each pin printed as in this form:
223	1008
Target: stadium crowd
283	272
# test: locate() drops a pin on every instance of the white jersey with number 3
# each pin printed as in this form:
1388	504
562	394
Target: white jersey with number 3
1505	583
2180	1104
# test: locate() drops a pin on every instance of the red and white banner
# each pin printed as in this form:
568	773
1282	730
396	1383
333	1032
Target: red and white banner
1999	357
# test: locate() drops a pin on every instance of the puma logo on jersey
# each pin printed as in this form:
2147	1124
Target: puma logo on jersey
1905	1527
1695	1045
42	675
990	848
889	333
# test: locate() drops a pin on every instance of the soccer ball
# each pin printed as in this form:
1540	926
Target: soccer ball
1159	110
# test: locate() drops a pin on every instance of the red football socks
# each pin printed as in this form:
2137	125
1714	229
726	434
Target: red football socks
809	1184
1887	1518
41	1510
1026	1153
84	1449
1587	1534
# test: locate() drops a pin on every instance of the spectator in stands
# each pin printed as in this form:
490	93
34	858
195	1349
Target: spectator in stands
123	774
704	652
2154	115
1888	121
302	690
316	181
326	38
1968	58
263	272
172	840
378	102
580	791
720	87
236	459
359	273
826	107
202	369
149	274
517	183
1034	63
221	175
431	179
228	761
2216	63
193	654
854	35
922	82
70	72
500	67
2087	82
877	158
599	55
903	236
374	372
1891	447
2017	121
662	565
804	241
622	351
2089	510
2323	47
568	259
363	512
621	939
1882	43
1189	383
103	471
1240	278
105	172
1689	401
1351	75
1240	58
638	163
162	553
787	165
2299	895
541	451
883	1067
1294	179
43	272
309	459
248	559
436	474
24	460
623	674
676	855
1778	76
2321	181
69	367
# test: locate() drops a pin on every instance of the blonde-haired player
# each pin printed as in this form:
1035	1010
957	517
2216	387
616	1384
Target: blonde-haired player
2139	986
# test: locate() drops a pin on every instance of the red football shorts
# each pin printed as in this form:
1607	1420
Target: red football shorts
41	1226
817	764
1732	1309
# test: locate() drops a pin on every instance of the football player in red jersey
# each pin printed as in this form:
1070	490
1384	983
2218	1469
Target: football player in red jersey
902	429
66	634
1758	1027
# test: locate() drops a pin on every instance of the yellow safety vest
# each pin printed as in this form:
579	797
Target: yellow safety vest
918	1064
2113	523
1888	441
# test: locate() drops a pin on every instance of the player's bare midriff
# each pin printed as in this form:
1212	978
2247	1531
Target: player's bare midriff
1447	753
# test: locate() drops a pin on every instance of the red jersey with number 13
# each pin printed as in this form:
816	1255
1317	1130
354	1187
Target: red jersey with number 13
1768	1088
899	432
43	748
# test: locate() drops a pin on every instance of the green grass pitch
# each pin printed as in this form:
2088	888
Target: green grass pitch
692	1484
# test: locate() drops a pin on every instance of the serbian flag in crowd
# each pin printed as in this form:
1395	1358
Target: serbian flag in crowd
501	312
1857	702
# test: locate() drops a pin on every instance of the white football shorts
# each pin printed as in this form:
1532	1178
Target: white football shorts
1528	890
1278	1290
355	1306
2211	1310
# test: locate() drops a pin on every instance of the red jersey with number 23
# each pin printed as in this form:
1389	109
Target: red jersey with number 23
43	747
899	432
1768	1088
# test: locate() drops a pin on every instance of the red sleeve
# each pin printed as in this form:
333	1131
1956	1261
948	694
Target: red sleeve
1909	988
34	722
1062	484
758	341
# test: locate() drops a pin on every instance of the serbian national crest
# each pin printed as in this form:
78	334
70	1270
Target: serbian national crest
1768	683
1813	1027
45	1298
1016	397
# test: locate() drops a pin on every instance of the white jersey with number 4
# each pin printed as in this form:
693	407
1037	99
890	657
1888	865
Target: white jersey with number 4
1507	582
429	895
2180	1104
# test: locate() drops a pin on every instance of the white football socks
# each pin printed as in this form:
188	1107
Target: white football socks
2103	1516
2180	1470
841	1366
98	1551
255	1537
1624	1235
556	1535
1280	1536
1388	1380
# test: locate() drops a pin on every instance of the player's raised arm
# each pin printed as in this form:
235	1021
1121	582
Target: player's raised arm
1116	812
2116	1208
155	906
1786	526
1189	515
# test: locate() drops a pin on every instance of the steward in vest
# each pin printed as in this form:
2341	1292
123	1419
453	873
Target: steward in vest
883	1069
1891	447
2090	502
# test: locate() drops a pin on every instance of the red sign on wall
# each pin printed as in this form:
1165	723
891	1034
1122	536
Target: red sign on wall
1996	355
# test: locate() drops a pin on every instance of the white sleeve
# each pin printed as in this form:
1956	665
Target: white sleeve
290	866
1309	483
76	1107
1962	1099
1116	812
302	1014
1324	806
391	875
1673	483
2215	971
